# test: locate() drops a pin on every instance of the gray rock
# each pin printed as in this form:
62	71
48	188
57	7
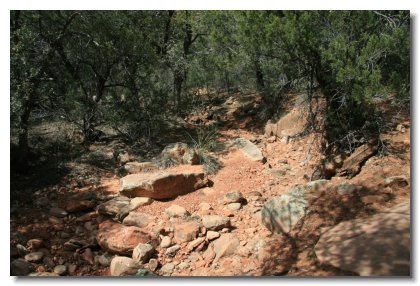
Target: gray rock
104	259
60	269
183	265
281	213
57	212
171	251
249	149
232	197
20	267
144	272
215	222
34	256
153	264
137	219
376	246
121	265
166	242
168	268
143	252
234	206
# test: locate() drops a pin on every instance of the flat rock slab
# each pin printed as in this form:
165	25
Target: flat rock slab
162	185
119	239
249	149
377	246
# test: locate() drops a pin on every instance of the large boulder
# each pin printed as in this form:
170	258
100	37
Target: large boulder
162	185
119	239
282	213
376	246
249	149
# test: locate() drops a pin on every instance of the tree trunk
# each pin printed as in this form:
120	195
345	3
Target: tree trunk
178	81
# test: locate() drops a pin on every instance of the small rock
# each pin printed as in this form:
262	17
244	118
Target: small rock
183	265
87	255
166	242
22	250
211	235
234	206
121	265
205	206
60	269
34	256
136	219
233	197
144	272
72	269
153	264
104	259
140	201
186	231
171	251
215	222
20	267
143	252
57	212
35	244
55	220
226	245
196	242
176	211
168	268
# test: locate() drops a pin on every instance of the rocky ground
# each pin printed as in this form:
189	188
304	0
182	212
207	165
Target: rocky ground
260	214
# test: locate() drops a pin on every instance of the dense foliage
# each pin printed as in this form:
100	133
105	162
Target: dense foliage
131	69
